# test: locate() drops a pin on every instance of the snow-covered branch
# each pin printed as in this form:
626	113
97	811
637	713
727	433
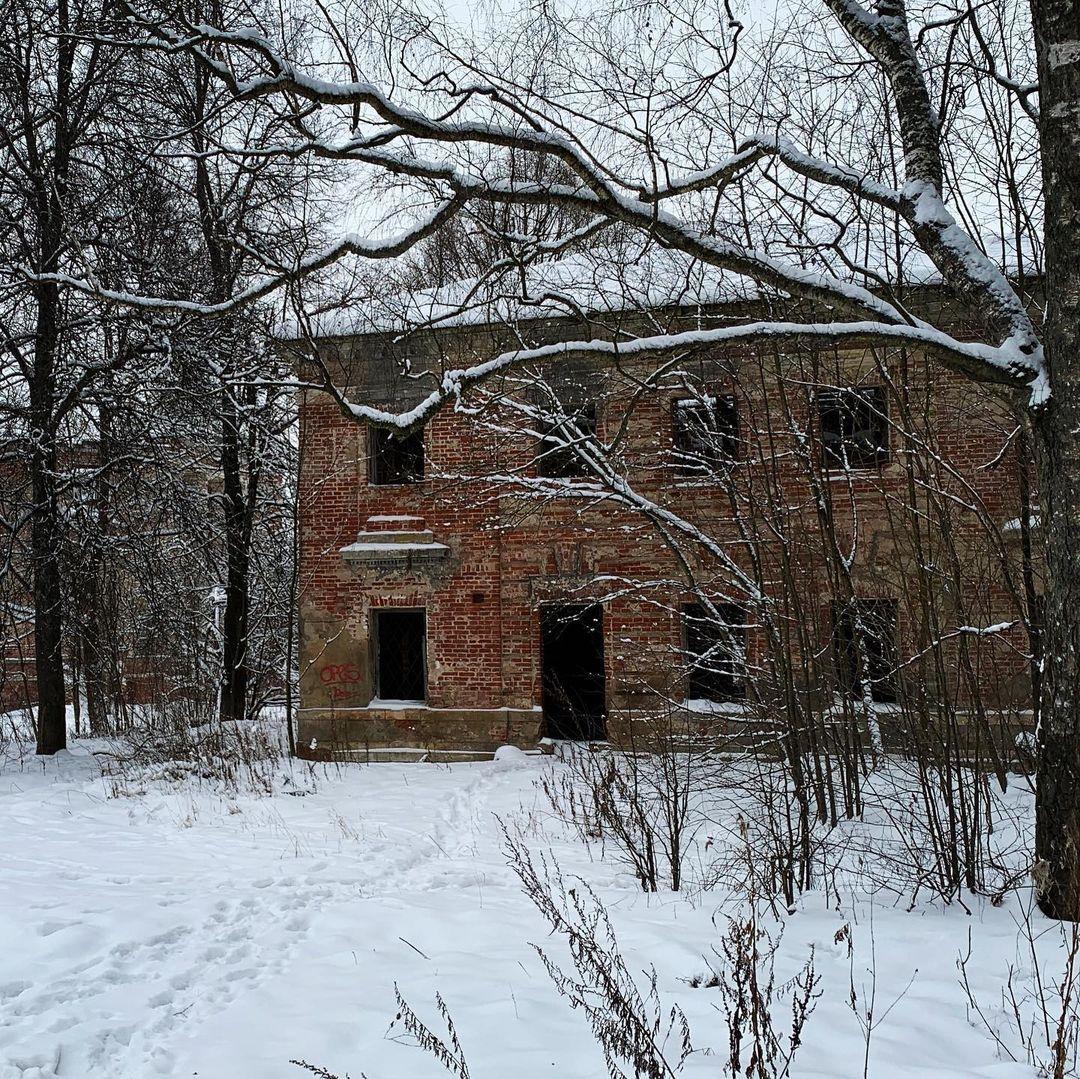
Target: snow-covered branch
350	244
1009	366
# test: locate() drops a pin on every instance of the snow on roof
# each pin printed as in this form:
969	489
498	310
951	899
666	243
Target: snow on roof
636	275
597	282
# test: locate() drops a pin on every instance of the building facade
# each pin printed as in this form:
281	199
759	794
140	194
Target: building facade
768	534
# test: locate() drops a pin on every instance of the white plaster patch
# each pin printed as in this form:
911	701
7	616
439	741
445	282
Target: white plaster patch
1063	109
1064	52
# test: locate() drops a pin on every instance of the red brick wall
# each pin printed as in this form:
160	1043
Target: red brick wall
483	629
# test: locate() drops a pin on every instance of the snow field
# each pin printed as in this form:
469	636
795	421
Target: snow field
185	932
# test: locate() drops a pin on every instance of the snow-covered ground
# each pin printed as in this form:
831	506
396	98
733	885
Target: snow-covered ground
177	930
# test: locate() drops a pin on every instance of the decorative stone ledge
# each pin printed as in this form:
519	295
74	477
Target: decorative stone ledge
395	542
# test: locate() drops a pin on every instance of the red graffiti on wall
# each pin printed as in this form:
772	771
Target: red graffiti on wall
339	678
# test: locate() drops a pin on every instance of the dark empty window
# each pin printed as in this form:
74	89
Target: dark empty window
854	428
705	431
873	623
400	655
715	650
395	457
557	458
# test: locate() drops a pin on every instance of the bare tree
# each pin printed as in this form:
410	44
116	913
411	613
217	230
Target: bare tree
229	208
641	142
63	122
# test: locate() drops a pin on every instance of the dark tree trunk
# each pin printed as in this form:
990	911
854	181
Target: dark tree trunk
50	191
292	645
45	530
236	512
1057	427
235	673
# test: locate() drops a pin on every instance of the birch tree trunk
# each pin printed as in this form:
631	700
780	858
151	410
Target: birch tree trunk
237	519
1057	842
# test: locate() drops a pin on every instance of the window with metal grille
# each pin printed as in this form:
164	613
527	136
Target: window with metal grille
854	428
705	433
873	623
715	651
400	655
557	459
396	458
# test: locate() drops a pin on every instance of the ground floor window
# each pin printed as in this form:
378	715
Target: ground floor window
715	648
874	622
572	670
400	655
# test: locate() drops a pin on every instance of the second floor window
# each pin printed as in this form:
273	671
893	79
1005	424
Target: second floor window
396	458
854	428
715	651
557	457
705	433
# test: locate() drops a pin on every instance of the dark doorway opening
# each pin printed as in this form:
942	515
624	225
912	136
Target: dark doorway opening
400	655
572	671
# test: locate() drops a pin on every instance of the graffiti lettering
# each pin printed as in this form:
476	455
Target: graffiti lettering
339	673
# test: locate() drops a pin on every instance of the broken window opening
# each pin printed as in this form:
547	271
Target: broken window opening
854	428
715	652
874	621
396	458
705	433
557	457
572	671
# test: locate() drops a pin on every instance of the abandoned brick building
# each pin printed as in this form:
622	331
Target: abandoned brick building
467	585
